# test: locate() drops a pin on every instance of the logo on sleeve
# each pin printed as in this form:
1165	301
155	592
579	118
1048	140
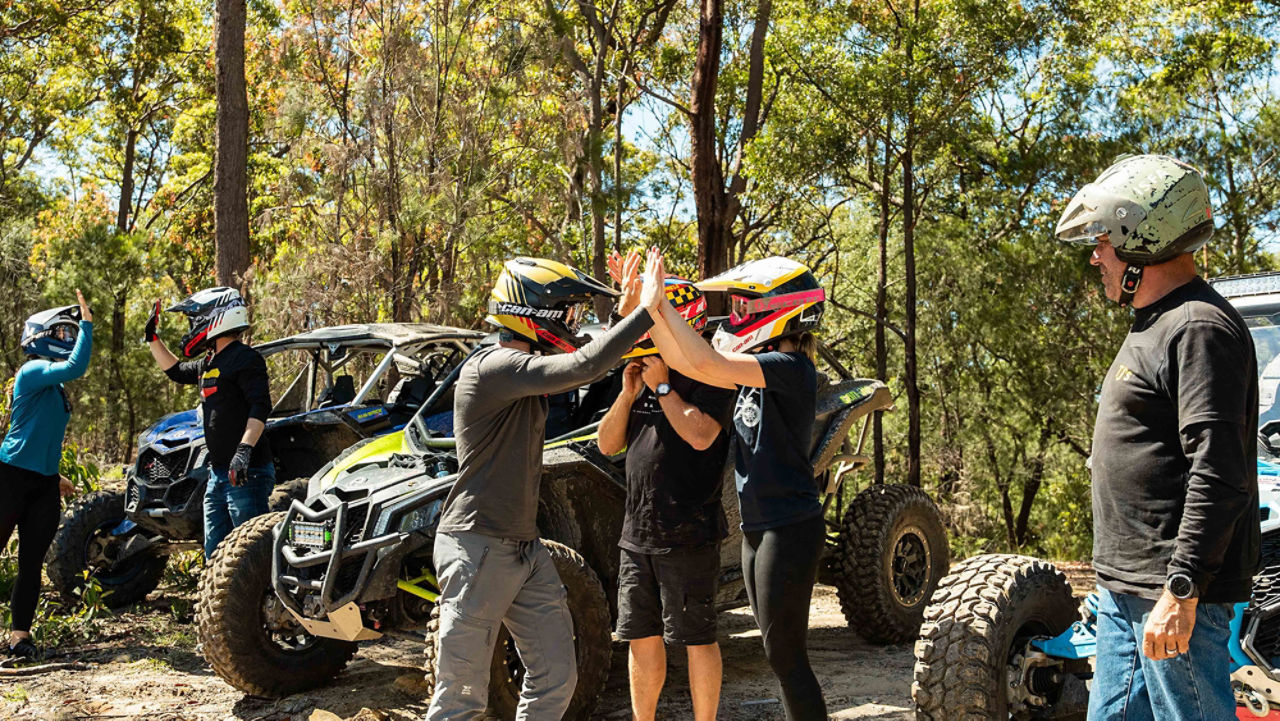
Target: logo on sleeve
1123	373
747	411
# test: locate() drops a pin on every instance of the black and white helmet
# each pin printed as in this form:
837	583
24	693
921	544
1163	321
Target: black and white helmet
211	312
52	333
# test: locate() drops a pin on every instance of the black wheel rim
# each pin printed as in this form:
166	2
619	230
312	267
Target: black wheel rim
99	553
909	564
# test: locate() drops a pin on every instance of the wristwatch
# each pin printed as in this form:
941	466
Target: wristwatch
662	389
1181	586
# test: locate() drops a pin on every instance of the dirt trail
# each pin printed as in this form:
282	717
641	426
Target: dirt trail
146	667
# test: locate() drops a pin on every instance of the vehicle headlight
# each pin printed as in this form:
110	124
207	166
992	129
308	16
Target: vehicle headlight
422	517
406	518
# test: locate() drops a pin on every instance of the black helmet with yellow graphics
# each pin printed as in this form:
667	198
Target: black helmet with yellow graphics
768	300
543	302
688	301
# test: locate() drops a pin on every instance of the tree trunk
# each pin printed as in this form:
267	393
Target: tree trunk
911	369
230	167
124	208
1032	487
882	300
595	141
708	178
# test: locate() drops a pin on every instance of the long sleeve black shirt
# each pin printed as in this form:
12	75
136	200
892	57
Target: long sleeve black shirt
234	387
1174	451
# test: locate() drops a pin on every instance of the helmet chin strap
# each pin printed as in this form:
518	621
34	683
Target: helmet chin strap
1129	283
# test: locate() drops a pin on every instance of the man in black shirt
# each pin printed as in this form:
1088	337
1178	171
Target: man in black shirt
235	397
1175	496
673	429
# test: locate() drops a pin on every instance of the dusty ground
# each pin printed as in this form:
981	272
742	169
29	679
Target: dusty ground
144	666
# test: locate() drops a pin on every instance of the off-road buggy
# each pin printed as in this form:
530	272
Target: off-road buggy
292	593
334	387
1003	638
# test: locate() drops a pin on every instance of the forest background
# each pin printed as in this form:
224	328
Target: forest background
914	153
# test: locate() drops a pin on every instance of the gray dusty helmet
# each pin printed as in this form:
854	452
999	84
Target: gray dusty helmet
1152	208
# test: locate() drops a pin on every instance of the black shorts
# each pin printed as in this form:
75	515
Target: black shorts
669	594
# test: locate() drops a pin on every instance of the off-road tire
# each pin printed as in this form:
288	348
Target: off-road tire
883	525
231	627
985	606
284	494
67	558
590	610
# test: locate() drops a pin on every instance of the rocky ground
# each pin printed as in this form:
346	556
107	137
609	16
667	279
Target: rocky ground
142	664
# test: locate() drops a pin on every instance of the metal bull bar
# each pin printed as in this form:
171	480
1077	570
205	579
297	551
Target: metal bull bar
344	620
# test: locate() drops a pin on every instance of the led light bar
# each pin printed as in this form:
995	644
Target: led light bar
1236	286
311	535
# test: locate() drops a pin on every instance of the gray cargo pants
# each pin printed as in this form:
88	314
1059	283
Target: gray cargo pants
487	581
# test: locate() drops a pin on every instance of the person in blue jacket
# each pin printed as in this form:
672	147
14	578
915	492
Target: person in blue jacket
57	343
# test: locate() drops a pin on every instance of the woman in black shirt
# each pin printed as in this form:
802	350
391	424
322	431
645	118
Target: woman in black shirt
765	350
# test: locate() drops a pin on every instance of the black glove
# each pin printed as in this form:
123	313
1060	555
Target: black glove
239	463
153	324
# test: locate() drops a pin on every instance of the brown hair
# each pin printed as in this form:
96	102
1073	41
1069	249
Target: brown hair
807	343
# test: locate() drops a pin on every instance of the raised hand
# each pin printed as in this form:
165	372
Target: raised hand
654	290
153	324
84	307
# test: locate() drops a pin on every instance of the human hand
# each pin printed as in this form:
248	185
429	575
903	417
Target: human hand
653	291
239	464
84	307
153	325
631	382
626	273
655	372
1168	629
65	487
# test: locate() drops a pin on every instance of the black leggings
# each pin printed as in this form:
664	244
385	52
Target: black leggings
30	503
780	566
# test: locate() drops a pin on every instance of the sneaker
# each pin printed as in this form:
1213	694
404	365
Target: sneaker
24	649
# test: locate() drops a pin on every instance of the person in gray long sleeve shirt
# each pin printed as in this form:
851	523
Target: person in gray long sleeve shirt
491	566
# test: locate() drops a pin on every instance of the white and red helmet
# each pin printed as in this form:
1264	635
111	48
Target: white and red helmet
767	300
210	313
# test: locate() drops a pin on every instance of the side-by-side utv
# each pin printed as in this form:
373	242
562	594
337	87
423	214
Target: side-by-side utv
333	387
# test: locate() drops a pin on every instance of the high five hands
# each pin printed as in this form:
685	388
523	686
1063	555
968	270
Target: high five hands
653	291
626	273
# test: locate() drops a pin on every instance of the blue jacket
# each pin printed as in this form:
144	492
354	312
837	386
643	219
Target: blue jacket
38	421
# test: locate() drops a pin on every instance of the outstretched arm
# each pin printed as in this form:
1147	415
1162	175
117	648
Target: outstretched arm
682	345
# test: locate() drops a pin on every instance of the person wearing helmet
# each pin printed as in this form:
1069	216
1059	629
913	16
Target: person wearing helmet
492	567
673	428
765	350
235	395
57	343
1175	494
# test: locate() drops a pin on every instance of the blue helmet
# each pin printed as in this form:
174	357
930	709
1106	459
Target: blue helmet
52	333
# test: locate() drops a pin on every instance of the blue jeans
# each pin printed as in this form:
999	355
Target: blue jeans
1128	686
227	506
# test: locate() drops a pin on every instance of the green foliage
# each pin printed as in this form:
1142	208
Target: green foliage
401	150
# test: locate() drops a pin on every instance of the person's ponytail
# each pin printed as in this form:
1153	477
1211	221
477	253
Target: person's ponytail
807	343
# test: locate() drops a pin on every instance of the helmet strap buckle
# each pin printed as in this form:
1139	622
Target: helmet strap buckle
1129	283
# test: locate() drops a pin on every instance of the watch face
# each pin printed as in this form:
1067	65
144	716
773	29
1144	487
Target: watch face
1180	586
663	389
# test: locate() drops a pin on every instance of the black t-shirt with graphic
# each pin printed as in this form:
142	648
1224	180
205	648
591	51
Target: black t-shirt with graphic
774	424
673	489
234	387
1174	451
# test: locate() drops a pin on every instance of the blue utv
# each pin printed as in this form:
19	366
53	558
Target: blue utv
333	387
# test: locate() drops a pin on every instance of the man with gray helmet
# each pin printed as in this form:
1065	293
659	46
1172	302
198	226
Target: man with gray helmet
1175	497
